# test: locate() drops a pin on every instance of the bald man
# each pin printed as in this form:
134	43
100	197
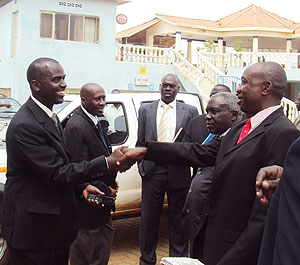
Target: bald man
85	141
236	219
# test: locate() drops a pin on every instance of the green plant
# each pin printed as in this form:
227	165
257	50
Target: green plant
238	46
209	46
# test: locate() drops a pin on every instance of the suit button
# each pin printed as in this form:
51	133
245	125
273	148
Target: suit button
190	190
188	211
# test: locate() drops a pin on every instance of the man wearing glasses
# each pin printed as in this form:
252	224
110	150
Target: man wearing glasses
164	120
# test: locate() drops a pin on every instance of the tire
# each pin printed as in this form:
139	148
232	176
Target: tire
4	252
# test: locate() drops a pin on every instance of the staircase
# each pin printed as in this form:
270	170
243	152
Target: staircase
204	76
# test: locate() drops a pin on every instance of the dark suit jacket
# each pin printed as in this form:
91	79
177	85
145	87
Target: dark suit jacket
147	131
192	218
84	144
38	204
236	219
280	244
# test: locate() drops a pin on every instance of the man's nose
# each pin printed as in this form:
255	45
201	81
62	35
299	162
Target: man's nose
63	84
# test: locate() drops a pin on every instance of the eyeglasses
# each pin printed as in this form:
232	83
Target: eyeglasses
165	85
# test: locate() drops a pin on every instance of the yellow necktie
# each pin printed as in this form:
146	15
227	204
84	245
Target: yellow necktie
163	125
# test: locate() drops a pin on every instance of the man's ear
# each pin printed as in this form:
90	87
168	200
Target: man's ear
234	115
35	85
267	85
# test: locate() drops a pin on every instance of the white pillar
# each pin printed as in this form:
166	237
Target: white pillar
189	51
220	45
178	41
255	44
149	40
288	45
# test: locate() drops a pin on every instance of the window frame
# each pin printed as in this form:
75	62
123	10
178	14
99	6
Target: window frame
96	29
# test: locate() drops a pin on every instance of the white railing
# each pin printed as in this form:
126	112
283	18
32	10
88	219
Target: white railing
190	72
289	109
210	71
243	59
144	54
207	66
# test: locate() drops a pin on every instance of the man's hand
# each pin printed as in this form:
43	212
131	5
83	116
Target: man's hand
114	192
115	157
132	155
267	180
94	190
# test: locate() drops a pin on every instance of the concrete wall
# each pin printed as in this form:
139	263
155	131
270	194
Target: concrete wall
83	62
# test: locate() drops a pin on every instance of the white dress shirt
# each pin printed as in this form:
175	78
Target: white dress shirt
171	114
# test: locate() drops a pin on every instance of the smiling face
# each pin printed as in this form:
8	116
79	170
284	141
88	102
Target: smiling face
169	88
250	92
49	84
218	118
93	99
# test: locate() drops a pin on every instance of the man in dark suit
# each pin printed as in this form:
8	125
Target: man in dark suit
38	203
161	121
280	243
236	218
86	140
223	112
197	131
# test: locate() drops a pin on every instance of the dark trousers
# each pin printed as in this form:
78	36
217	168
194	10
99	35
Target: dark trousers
39	256
92	246
153	193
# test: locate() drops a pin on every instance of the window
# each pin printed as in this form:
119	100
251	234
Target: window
114	123
61	26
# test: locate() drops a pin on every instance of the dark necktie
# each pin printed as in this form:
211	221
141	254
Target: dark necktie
246	129
102	137
54	118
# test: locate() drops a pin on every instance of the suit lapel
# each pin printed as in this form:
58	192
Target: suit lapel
180	112
81	113
47	123
258	131
152	114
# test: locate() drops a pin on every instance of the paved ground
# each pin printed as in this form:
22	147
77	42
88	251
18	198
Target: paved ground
126	241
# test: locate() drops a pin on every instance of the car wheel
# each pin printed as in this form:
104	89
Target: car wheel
4	252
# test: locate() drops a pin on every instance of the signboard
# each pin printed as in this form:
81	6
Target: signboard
142	81
143	70
121	19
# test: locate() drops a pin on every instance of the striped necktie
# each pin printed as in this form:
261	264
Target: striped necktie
163	125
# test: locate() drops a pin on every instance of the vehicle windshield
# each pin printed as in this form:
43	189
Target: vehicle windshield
8	107
59	107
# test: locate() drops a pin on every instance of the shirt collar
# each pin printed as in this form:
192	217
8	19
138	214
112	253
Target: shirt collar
259	117
171	104
92	117
43	107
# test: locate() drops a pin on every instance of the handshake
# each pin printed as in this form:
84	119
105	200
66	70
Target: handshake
123	158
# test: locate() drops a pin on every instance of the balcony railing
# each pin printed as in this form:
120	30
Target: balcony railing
208	66
243	59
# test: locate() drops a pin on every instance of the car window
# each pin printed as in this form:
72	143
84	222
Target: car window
9	105
114	122
58	107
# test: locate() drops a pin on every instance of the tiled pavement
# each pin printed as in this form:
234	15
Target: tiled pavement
126	241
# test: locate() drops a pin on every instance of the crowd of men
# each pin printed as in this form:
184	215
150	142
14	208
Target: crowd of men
49	217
